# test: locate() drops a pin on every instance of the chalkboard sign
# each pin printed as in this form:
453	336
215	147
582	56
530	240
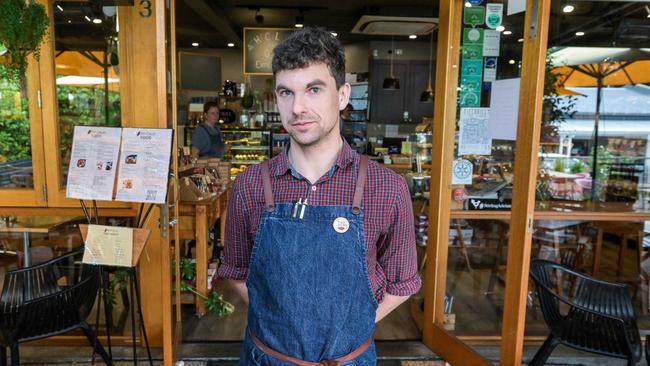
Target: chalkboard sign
258	48
199	71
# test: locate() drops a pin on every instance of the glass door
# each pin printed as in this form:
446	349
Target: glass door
480	200
82	83
22	173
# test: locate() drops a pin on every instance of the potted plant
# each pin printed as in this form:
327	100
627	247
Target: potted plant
23	26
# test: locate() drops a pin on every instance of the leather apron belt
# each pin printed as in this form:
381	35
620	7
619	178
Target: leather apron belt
335	362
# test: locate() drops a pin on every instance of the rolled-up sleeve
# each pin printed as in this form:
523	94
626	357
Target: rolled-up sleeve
397	255
235	256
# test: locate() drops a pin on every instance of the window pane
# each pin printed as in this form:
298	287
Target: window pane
87	71
475	277
15	145
596	120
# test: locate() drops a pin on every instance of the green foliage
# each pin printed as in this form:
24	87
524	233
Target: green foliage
84	106
118	281
14	120
214	302
577	167
559	165
23	25
556	108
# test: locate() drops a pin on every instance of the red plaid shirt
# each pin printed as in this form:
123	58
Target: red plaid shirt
388	217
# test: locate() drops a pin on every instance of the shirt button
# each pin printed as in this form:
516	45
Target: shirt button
313	188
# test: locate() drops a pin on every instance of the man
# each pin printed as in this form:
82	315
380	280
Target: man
326	248
207	140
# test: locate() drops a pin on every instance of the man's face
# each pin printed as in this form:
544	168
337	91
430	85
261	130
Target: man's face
212	115
309	103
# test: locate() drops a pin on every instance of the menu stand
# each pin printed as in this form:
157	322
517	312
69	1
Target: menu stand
140	237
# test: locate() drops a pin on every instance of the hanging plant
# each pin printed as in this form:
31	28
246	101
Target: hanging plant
23	26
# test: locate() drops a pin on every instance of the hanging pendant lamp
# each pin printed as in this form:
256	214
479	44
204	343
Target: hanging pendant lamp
391	83
427	95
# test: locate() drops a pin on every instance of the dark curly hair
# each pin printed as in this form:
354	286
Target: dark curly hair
308	46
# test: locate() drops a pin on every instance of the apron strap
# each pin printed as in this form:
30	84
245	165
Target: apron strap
361	183
269	205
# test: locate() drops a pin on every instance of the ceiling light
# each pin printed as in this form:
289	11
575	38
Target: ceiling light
334	34
579	34
568	8
413	36
500	28
69	21
300	21
87	18
467	4
647	9
507	33
231	44
195	44
59	7
511	62
520	40
259	18
427	95
97	21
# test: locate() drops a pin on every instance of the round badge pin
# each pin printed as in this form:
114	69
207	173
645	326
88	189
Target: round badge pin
341	225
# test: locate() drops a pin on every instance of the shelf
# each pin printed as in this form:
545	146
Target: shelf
261	147
245	161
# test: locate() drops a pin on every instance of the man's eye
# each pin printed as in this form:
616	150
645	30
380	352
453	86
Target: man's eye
314	90
284	93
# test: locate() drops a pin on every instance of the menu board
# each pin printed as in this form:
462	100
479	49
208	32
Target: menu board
91	174
258	48
144	165
108	245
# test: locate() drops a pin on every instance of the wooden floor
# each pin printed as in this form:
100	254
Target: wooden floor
399	325
476	313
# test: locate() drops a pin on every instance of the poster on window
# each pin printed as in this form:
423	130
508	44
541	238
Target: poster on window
91	174
144	165
474	135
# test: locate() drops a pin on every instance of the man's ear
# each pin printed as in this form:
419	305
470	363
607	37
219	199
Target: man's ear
344	95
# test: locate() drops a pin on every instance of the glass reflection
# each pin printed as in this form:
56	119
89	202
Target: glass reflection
87	70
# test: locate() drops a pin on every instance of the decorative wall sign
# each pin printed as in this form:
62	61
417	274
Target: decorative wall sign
258	48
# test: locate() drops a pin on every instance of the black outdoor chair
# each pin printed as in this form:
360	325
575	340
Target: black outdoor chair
47	299
585	313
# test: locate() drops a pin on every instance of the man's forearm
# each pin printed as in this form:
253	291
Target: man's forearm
240	288
388	304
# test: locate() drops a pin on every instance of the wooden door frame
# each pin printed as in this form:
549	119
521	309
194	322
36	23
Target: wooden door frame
445	344
56	193
34	197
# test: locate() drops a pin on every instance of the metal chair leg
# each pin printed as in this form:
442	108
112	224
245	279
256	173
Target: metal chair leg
3	356
94	342
15	355
545	351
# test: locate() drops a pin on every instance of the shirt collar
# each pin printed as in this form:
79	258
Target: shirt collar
344	159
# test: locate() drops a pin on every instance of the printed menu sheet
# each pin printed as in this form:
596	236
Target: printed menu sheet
109	245
144	165
91	174
474	136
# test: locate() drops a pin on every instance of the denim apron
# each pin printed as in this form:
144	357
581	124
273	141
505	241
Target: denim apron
309	291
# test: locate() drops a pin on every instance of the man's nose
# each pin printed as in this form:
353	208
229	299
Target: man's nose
299	104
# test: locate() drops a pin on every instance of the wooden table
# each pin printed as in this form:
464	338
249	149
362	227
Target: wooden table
34	225
195	220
